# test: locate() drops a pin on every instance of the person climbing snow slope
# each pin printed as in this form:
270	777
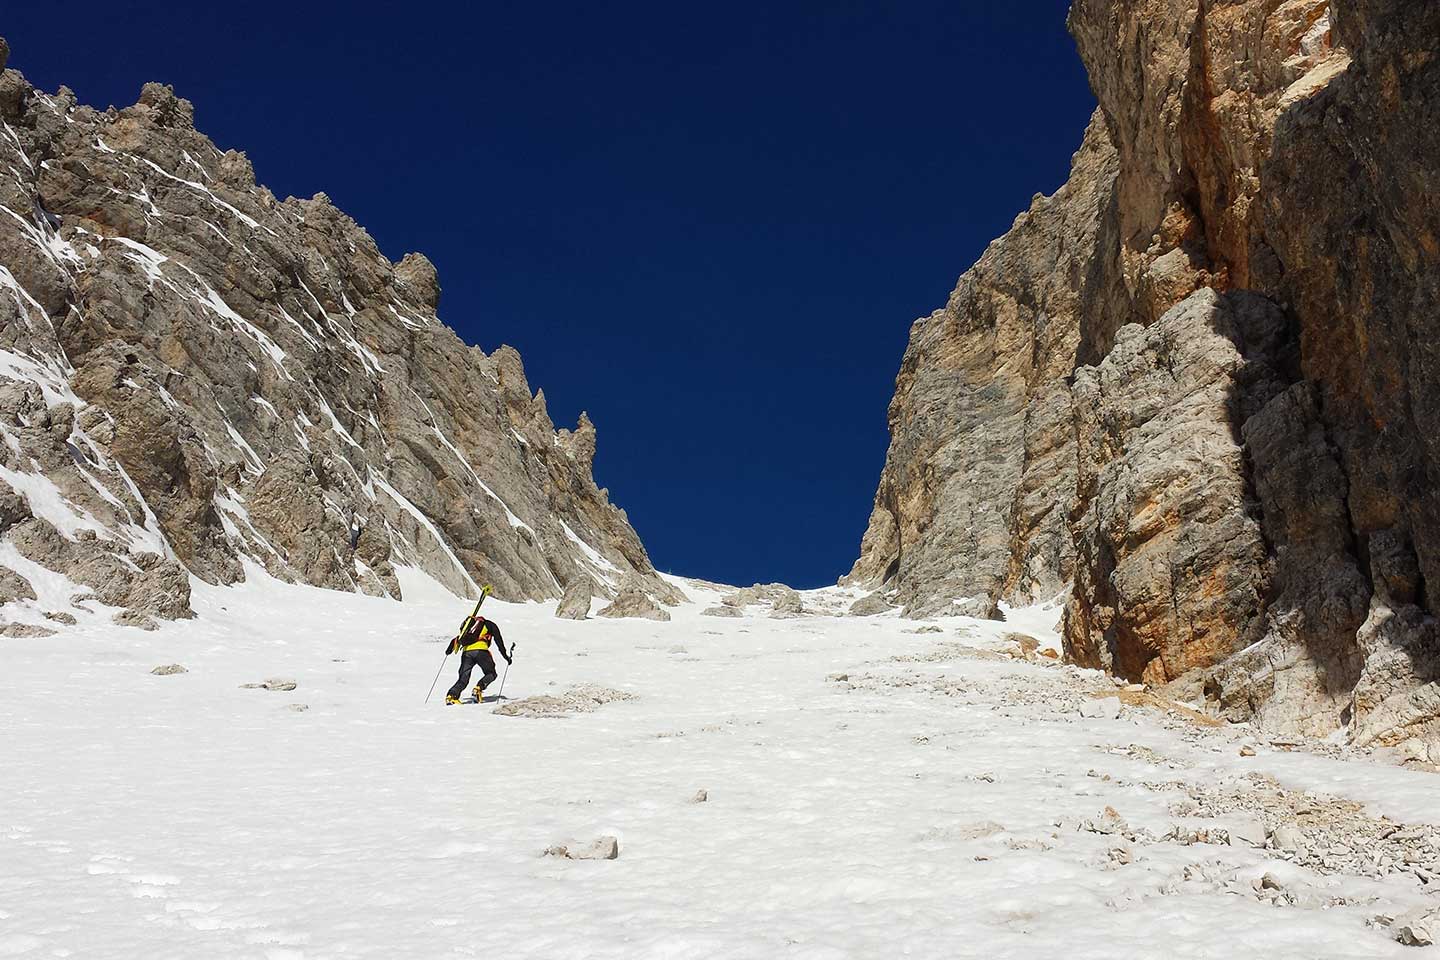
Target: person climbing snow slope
474	648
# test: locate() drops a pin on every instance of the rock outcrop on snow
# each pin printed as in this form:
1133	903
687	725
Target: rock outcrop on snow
633	602
601	848
783	602
1201	382
582	698
575	604
871	604
196	376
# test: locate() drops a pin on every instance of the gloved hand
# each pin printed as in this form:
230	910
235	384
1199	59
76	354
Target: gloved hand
509	658
450	649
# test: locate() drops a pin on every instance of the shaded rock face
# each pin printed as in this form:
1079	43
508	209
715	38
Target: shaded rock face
1171	564
194	370
1201	383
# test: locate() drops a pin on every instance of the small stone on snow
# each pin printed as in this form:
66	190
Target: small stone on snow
605	848
1106	708
1418	928
1250	832
1288	837
274	683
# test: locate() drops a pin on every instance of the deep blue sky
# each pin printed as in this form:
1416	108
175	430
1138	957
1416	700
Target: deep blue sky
709	225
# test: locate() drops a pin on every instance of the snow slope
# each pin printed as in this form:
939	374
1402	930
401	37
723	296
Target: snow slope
927	806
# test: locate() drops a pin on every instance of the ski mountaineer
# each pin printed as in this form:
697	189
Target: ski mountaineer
474	648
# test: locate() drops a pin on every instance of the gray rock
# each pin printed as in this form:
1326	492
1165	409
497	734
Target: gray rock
1289	837
134	618
631	602
14	587
575	605
782	599
603	848
721	611
245	367
1418	928
60	616
701	796
1104	708
981	608
273	683
1246	831
787	605
870	605
168	670
25	630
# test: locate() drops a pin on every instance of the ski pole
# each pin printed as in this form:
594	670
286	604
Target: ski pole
501	695
438	672
484	592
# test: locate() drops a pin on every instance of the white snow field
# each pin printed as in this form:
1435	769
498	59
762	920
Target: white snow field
933	804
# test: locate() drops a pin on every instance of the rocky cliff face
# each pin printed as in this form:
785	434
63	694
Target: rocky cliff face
196	376
1201	383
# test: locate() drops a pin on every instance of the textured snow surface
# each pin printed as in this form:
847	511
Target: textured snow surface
183	817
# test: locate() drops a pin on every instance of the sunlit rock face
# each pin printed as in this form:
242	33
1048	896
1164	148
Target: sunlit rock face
200	378
1200	385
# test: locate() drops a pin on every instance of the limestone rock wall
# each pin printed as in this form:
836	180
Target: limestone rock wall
974	496
197	375
1238	468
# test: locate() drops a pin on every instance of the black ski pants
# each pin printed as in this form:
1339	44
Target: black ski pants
469	660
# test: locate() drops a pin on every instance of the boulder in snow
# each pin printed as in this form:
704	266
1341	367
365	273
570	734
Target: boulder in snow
632	602
787	605
1247	832
575	605
168	670
14	587
25	630
1288	837
603	848
870	605
134	618
720	611
274	683
1418	928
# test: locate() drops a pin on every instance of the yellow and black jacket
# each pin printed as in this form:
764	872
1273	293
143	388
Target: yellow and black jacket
478	634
